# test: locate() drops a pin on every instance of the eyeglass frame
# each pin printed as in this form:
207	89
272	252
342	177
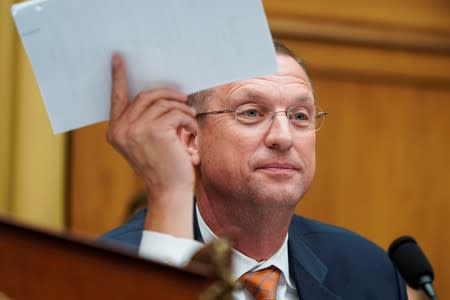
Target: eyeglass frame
319	114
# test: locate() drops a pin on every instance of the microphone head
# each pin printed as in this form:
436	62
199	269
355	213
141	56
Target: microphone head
410	261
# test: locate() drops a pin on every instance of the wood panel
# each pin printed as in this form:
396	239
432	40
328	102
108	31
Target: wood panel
358	33
417	15
6	94
385	65
42	265
101	183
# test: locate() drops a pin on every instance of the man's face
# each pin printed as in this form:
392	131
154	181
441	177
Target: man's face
261	165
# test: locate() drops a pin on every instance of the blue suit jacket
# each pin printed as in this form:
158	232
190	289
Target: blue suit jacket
326	262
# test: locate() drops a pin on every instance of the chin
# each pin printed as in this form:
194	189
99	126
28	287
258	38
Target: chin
278	197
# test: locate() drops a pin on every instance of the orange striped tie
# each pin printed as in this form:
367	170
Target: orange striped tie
263	283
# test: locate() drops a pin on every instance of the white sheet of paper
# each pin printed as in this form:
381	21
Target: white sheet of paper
189	44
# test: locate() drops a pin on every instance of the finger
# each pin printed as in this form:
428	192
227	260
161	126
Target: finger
162	106
119	92
147	98
178	118
173	115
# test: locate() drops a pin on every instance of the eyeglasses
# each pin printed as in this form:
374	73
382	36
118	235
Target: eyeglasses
303	118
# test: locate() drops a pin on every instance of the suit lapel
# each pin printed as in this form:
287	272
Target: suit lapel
308	272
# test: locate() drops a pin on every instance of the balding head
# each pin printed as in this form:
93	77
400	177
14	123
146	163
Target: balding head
198	100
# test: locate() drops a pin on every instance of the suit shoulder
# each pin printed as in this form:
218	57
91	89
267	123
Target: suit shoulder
350	258
326	239
128	234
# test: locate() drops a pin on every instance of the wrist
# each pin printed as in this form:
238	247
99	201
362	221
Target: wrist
171	213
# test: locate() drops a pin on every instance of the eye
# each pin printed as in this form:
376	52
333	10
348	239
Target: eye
299	116
250	114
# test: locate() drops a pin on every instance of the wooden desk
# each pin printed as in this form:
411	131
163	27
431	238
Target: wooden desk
40	265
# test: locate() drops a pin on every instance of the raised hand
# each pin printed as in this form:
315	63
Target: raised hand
155	133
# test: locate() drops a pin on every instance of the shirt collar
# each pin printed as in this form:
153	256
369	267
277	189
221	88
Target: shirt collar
241	263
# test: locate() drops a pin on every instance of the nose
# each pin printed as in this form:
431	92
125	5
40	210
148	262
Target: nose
279	135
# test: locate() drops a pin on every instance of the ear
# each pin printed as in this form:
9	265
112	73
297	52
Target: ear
190	141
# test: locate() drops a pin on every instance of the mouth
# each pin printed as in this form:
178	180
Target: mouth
280	168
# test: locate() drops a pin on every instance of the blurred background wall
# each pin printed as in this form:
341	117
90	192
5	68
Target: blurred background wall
380	68
32	160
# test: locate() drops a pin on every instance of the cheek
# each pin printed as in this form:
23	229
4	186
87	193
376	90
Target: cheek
227	152
307	150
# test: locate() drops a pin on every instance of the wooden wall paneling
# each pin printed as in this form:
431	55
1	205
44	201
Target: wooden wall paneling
417	15
101	184
377	36
383	164
336	59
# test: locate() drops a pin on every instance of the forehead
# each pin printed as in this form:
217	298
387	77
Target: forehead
289	83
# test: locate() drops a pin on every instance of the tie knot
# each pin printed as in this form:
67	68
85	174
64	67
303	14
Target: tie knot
262	284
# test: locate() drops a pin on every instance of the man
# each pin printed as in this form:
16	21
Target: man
247	150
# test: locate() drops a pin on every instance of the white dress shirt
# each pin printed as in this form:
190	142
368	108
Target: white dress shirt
177	252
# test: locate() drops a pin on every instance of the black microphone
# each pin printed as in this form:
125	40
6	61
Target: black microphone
413	264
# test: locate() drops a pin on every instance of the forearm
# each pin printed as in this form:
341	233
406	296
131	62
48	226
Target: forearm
172	214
